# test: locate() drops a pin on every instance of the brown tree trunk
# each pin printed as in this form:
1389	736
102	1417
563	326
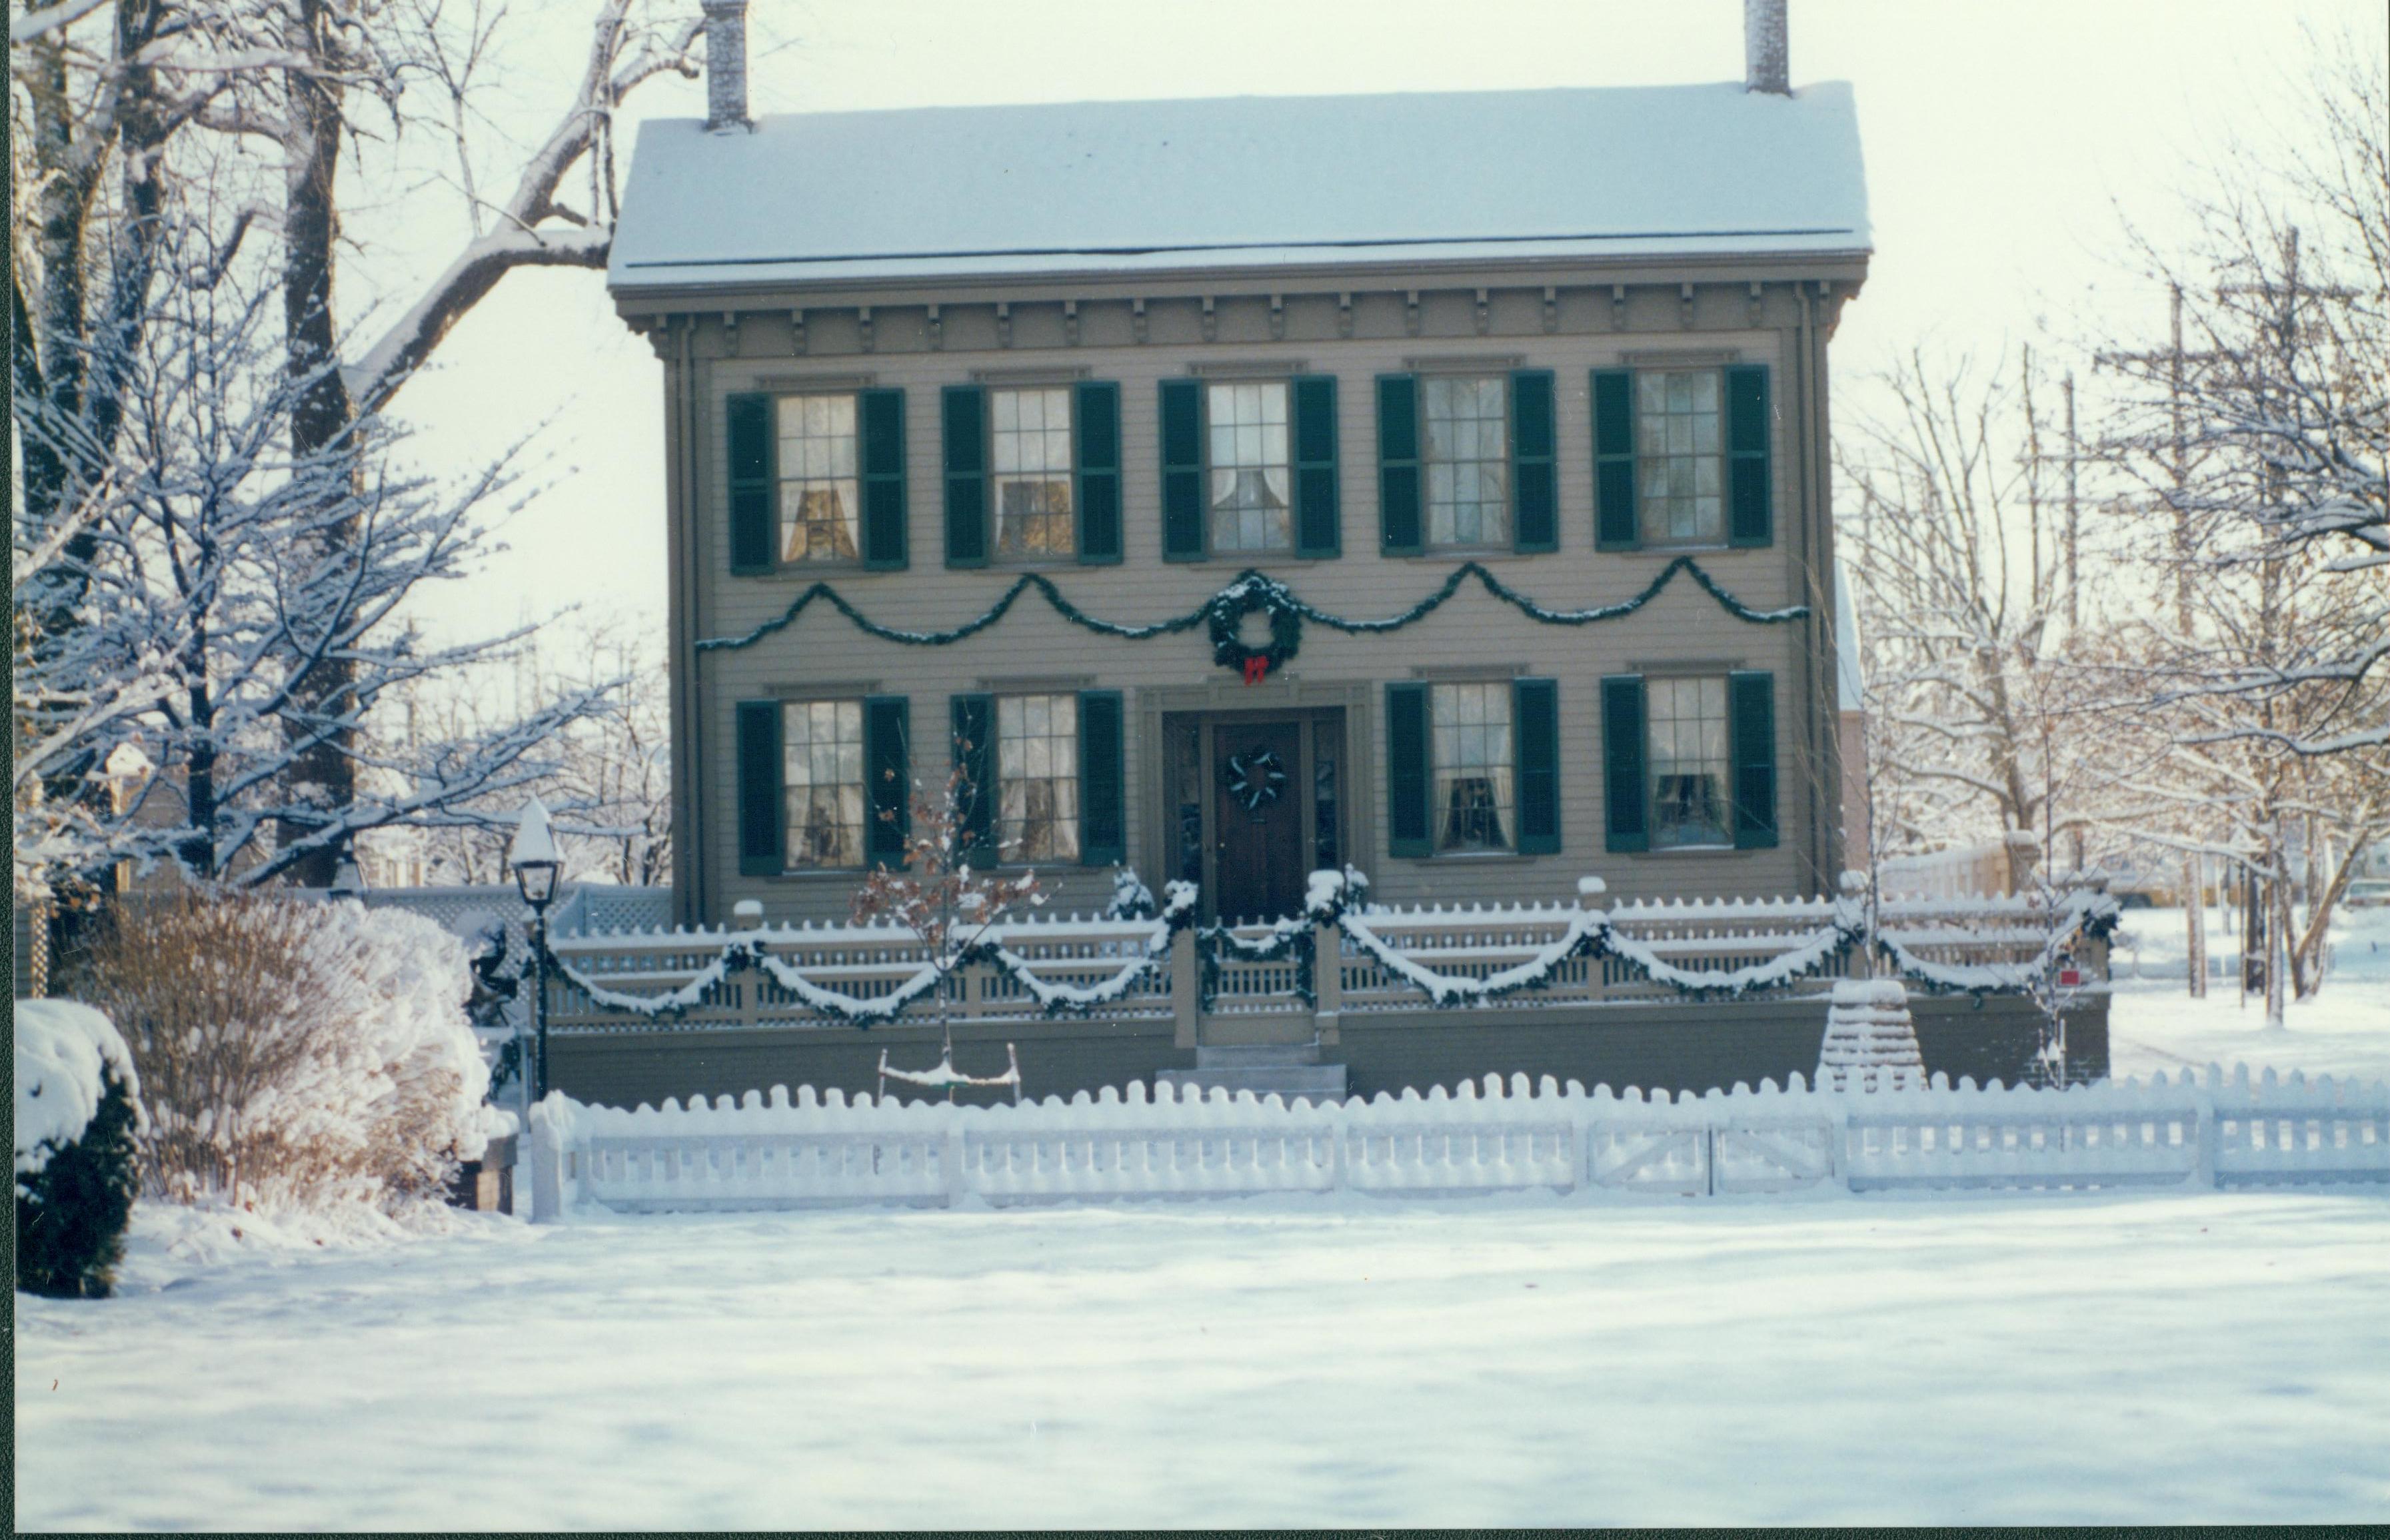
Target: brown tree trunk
323	773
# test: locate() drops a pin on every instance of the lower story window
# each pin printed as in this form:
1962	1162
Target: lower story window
1473	797
1037	777
1689	763
822	745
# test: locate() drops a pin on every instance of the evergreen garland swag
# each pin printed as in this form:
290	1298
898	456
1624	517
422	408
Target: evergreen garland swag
1254	590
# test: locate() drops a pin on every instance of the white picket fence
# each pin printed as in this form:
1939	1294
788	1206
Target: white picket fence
2207	1130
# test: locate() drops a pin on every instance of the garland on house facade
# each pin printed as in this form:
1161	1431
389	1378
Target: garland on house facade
1256	592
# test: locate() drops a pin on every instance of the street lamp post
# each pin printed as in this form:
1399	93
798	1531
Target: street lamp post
536	862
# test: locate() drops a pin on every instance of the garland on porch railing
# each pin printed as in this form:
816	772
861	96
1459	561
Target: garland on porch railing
742	953
2087	916
1334	898
1588	934
1252	591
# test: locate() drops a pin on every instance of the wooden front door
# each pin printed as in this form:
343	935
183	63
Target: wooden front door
1259	840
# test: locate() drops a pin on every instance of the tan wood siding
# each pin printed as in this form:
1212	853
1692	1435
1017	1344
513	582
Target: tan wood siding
1685	625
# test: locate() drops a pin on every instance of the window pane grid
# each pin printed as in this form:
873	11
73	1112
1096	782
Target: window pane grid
1468	460
1679	471
1688	762
1470	757
822	755
819	508
1252	472
1031	435
1037	777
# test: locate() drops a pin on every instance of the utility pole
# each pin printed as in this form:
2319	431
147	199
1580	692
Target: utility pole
2176	359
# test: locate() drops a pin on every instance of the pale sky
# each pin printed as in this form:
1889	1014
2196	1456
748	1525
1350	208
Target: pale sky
2001	141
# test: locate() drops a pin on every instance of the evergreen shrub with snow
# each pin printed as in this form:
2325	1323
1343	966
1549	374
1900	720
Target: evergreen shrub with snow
293	1052
78	1166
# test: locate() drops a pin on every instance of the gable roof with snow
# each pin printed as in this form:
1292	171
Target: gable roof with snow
1122	188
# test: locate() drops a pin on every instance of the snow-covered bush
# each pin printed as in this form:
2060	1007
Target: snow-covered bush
294	1052
78	1112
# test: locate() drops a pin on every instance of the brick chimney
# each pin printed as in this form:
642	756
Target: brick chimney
1766	65
725	65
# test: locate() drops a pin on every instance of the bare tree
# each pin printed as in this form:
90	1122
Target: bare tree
2260	441
210	599
1966	566
938	896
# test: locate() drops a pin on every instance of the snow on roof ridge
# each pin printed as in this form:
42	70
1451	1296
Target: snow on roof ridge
1243	181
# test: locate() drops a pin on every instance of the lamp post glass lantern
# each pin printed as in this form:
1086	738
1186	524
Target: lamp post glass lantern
537	864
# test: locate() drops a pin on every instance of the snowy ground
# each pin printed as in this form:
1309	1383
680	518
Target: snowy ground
2155	1023
1549	1361
2175	1357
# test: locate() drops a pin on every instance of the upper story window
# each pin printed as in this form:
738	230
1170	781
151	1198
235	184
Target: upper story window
1680	464
1037	777
1252	472
822	760
1691	805
1474	795
1467	459
1029	437
820	493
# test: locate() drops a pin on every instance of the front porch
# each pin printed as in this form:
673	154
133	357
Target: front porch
1686	996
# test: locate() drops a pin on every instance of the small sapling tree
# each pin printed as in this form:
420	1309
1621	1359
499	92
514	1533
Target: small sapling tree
951	904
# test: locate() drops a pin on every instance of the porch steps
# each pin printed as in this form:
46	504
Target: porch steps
1287	1070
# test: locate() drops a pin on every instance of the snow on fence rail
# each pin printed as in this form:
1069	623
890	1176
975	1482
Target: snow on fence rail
1387	958
766	1154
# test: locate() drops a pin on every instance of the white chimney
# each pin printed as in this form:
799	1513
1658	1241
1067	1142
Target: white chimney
726	64
1765	62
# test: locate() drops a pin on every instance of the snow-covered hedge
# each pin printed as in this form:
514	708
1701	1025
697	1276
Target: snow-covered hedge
78	1111
295	1052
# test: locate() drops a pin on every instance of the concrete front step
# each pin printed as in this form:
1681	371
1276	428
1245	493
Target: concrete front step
1315	1082
1256	1056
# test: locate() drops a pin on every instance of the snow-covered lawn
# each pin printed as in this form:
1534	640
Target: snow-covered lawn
1546	1361
2154	1024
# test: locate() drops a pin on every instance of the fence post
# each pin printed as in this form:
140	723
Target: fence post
951	1158
2211	1137
1185	987
1327	981
546	1162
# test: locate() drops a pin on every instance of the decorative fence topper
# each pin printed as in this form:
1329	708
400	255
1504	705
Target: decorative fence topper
1334	903
2191	1130
1252	591
742	953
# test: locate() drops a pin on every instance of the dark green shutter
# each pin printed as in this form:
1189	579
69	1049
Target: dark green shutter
1103	801
1537	705
762	800
884	536
1182	471
752	483
1406	771
1319	515
1751	709
1621	753
1750	520
1534	492
974	725
964	412
1398	466
888	775
1098	497
1613	460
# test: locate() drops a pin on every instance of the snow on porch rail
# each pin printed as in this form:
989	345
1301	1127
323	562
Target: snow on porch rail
1388	958
2198	1130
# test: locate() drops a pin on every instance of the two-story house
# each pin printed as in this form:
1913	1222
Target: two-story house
1516	399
